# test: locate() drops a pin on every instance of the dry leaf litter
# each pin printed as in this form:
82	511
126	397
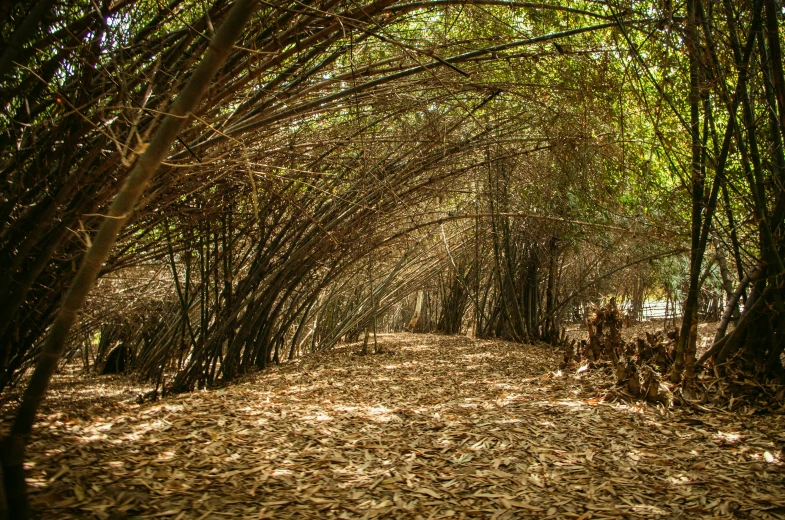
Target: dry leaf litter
435	427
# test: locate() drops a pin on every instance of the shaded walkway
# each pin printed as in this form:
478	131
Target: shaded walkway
434	427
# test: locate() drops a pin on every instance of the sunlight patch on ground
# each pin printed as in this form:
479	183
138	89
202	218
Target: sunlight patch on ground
727	438
570	403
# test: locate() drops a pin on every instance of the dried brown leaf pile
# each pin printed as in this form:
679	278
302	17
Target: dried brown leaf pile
434	427
642	367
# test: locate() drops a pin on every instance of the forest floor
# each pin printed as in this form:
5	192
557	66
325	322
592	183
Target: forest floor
433	427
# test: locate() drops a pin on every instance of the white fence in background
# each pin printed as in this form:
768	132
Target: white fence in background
655	309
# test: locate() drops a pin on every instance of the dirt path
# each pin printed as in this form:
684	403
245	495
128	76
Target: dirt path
435	427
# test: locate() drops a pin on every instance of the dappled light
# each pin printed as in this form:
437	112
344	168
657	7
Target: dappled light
392	258
410	432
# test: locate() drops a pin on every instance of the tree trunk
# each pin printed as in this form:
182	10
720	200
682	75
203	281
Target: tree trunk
690	316
417	312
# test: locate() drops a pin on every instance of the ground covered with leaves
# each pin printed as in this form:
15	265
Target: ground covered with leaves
433	427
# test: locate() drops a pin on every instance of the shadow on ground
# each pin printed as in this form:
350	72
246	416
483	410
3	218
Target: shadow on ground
433	427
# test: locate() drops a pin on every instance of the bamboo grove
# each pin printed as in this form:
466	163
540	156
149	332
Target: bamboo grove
331	169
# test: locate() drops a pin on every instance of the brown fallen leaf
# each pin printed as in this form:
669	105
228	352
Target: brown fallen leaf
79	492
427	491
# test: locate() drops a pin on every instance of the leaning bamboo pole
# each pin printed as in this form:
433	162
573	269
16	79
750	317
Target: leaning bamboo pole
122	207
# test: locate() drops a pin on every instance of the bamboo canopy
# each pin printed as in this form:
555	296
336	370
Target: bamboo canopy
218	186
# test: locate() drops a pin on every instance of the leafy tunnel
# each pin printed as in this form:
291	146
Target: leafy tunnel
198	189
